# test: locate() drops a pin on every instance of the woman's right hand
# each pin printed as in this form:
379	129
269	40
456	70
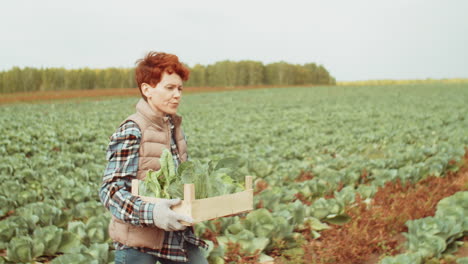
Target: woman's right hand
167	219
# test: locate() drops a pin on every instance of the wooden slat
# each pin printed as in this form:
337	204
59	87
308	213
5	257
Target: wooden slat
219	206
135	186
189	192
248	182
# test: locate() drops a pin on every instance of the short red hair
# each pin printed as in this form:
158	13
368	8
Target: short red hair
150	69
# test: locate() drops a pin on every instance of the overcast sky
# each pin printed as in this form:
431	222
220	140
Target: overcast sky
353	39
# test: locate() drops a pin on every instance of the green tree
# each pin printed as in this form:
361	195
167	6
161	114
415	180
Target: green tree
198	76
223	74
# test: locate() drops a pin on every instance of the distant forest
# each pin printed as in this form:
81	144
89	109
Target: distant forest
221	74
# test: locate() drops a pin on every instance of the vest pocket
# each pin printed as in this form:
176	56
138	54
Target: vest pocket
148	237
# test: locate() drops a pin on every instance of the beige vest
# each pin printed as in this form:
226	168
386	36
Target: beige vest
155	136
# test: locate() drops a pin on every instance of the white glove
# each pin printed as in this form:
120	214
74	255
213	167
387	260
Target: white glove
167	219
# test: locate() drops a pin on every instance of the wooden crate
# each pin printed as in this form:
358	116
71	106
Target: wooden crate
209	208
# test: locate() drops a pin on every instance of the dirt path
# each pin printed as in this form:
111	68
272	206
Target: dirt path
98	93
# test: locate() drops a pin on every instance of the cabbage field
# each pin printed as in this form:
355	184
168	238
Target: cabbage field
52	157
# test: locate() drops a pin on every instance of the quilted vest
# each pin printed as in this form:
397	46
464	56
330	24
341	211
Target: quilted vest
155	137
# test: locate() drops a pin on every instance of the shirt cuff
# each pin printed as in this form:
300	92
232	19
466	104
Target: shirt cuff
146	214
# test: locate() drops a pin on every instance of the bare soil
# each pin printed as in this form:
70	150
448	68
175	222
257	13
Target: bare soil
375	230
9	98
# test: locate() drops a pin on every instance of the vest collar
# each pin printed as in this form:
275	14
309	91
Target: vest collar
144	109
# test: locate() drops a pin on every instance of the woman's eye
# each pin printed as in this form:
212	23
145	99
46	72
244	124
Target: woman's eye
174	87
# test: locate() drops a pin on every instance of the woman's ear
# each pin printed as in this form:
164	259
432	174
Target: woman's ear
145	89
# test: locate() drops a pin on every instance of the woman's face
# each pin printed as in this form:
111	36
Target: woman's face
165	96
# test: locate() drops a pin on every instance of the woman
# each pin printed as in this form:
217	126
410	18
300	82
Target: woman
145	232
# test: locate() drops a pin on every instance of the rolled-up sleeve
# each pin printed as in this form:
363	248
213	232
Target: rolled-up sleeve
115	192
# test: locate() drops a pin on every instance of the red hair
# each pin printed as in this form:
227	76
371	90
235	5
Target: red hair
150	69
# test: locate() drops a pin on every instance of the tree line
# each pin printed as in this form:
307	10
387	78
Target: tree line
220	74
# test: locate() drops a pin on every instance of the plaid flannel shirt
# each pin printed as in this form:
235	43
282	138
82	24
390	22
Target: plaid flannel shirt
122	154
